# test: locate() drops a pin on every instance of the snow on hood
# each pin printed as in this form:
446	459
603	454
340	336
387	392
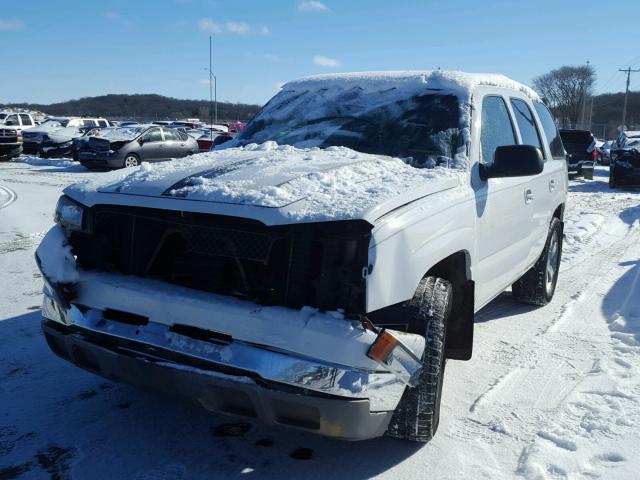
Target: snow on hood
66	134
285	183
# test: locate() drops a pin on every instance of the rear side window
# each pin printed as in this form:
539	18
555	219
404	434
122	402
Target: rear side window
26	120
526	124
89	123
496	129
183	136
103	123
550	131
171	134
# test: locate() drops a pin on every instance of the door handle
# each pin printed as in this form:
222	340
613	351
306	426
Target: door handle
552	185
528	196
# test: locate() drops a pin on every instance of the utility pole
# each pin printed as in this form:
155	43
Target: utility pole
628	71
210	95
584	101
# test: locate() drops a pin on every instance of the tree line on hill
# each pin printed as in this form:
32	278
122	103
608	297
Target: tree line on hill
145	107
568	91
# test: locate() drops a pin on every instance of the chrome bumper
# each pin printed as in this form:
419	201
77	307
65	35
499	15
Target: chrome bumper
381	388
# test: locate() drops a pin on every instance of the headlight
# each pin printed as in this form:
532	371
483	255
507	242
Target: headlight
69	214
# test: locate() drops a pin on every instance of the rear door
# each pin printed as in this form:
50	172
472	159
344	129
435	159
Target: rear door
153	148
172	142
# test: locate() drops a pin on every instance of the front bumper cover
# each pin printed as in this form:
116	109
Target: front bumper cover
348	419
332	395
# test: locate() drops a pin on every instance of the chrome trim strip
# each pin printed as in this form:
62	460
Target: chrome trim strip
382	388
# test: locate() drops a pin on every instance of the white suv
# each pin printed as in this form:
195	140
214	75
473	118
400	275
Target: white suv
57	131
320	282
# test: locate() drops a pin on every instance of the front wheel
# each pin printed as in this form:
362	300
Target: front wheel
131	161
538	284
612	180
418	414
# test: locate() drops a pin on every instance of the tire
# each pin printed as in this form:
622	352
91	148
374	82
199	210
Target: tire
417	416
612	180
131	160
42	153
538	284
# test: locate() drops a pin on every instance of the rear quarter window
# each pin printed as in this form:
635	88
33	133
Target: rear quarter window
550	131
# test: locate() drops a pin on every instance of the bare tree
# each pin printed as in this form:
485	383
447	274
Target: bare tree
566	90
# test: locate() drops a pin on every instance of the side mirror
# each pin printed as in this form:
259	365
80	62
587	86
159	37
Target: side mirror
513	161
141	141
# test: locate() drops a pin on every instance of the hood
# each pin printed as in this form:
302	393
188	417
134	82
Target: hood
273	184
62	135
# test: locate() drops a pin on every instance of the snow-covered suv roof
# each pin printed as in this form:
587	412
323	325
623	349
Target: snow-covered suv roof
460	84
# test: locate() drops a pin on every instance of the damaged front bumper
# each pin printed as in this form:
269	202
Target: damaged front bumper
303	369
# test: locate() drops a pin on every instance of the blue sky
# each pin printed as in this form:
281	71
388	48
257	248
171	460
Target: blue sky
69	49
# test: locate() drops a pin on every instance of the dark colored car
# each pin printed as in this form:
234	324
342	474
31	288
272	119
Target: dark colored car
625	160
130	146
581	151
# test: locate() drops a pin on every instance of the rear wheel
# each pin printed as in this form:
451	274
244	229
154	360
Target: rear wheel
538	284
612	180
418	414
131	160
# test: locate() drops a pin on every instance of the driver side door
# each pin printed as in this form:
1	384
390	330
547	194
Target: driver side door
504	207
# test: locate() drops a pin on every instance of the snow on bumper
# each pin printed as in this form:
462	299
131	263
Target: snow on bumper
313	351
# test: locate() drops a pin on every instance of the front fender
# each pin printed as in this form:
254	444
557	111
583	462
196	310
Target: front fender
399	262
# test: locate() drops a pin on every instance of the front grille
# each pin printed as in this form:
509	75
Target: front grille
8	136
315	264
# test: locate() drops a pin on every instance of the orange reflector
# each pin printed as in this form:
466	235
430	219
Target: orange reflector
381	349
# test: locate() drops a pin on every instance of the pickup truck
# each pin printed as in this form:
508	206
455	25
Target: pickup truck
318	270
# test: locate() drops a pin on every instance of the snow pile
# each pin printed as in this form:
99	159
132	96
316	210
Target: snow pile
48	162
56	260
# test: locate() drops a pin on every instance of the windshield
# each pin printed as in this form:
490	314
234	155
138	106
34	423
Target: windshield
424	129
3	116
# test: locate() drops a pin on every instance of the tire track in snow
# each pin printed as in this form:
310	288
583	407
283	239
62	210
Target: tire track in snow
23	242
10	195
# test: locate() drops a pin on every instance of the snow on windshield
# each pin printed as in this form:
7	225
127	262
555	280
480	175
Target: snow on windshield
423	128
123	133
423	117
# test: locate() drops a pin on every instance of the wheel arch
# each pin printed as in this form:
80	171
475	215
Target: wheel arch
456	268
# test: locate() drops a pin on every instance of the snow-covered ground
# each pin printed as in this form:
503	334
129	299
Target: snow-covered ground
551	392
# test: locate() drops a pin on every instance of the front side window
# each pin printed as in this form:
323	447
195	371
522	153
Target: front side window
26	120
102	123
496	130
88	123
526	124
152	136
550	131
12	120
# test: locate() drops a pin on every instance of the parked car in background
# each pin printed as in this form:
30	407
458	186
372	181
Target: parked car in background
207	136
604	153
82	142
625	160
10	142
18	121
320	282
186	123
581	152
130	146
57	134
12	125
